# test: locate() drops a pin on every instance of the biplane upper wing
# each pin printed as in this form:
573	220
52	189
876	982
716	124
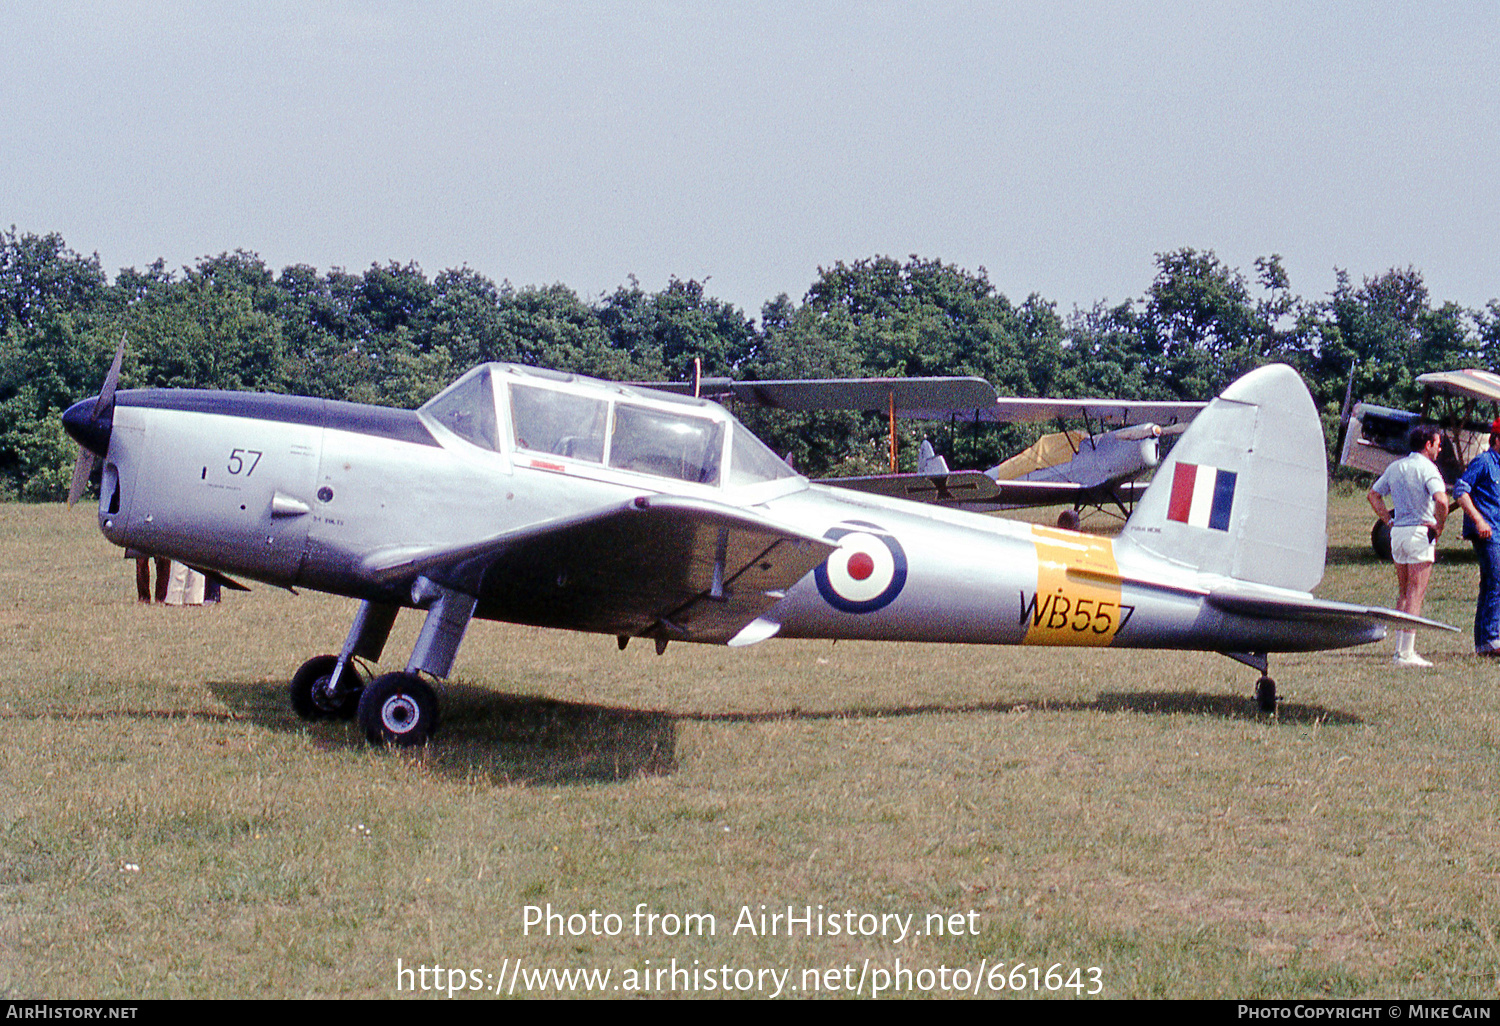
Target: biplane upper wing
659	566
908	395
1117	412
1466	384
966	398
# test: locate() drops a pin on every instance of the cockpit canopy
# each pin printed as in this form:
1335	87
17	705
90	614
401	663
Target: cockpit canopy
503	407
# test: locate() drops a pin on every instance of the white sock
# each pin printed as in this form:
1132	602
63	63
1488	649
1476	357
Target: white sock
1406	643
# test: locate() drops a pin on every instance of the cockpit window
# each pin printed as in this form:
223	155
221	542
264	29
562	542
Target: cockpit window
559	423
467	408
666	444
751	461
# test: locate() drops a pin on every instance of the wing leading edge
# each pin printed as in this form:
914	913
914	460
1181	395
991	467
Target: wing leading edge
665	567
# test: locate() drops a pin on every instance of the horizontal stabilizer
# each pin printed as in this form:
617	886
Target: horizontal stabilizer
1278	605
1312	609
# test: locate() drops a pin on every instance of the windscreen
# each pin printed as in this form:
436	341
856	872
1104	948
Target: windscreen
467	408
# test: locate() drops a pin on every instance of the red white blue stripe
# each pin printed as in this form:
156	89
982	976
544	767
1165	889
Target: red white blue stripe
1202	496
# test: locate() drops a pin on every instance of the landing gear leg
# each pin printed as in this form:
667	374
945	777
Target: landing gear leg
1265	695
328	687
1265	688
401	708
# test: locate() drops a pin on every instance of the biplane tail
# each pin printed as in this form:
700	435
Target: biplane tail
1244	492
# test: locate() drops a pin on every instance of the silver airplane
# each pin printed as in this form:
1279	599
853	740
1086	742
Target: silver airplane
554	500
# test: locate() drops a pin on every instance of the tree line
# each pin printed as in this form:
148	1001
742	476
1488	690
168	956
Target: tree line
391	335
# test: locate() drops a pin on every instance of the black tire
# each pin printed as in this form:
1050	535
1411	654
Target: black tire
1069	520
1265	695
1380	539
398	709
309	699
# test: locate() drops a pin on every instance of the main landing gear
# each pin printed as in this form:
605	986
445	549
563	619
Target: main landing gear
401	708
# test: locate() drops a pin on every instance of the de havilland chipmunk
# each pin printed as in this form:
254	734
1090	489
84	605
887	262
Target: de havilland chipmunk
554	500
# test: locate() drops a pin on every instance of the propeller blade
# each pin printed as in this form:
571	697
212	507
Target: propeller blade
107	392
83	467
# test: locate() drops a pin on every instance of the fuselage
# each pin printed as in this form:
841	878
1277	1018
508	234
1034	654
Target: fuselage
300	492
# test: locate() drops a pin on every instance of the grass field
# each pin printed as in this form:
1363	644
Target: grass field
168	828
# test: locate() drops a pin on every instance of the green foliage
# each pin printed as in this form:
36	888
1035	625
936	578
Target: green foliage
665	332
392	336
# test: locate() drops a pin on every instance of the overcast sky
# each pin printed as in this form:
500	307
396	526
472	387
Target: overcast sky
1060	145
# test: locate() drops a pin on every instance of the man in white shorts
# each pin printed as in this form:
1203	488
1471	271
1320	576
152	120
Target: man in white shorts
1420	498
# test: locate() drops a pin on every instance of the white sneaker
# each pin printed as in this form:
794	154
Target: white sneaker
1409	660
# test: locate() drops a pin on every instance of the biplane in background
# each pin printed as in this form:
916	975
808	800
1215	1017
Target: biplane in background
553	500
1461	404
1096	467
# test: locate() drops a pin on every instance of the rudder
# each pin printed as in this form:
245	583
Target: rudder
1244	492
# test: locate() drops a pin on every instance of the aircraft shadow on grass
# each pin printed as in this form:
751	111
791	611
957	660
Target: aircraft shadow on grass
532	740
507	738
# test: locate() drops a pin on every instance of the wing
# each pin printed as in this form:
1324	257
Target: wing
972	489
942	489
964	398
961	394
1009	410
1466	384
665	567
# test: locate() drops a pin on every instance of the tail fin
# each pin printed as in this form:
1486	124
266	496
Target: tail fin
929	462
1244	492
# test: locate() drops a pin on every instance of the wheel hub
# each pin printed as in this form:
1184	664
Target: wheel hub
399	714
323	694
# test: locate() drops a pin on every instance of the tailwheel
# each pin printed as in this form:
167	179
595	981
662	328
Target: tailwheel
398	709
1265	694
312	699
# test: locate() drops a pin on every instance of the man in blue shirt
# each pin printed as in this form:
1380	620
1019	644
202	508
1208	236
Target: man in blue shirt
1478	495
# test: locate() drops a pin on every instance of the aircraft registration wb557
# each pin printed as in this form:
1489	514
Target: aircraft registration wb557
554	500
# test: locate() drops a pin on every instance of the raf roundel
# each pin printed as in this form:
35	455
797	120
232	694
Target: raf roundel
866	572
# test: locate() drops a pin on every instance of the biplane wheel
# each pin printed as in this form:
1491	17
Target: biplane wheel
1069	520
1265	695
1380	539
398	709
310	698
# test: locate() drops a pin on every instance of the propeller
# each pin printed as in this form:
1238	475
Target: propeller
90	422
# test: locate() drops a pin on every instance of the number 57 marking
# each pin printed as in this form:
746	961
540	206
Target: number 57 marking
237	461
